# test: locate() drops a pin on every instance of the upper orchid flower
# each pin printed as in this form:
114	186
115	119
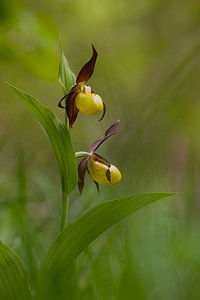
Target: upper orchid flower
98	167
82	97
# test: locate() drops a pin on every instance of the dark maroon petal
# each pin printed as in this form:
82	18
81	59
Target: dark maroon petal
71	109
82	167
59	103
104	111
108	174
87	70
100	159
111	130
97	185
72	90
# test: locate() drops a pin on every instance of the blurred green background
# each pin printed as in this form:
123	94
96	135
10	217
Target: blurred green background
148	74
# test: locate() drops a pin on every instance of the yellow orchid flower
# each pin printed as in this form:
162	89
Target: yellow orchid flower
100	170
81	97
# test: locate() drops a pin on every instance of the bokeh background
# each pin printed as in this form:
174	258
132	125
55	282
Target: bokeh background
148	74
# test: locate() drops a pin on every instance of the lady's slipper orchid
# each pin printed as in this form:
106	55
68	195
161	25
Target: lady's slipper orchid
98	167
81	97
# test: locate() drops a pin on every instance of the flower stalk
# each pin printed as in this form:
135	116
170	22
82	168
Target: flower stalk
65	206
82	154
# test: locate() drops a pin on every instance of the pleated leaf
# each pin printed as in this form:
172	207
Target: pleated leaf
59	137
13	275
78	235
65	75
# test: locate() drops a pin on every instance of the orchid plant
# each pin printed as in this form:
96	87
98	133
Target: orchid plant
73	238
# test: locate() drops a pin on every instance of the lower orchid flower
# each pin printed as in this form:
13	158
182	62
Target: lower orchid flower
100	170
81	97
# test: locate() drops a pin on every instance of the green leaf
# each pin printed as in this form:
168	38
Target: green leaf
78	235
59	137
65	75
13	274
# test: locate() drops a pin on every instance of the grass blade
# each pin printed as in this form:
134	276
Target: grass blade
13	274
78	235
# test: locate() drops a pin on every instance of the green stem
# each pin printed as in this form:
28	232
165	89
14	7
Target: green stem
65	198
64	212
66	119
82	154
